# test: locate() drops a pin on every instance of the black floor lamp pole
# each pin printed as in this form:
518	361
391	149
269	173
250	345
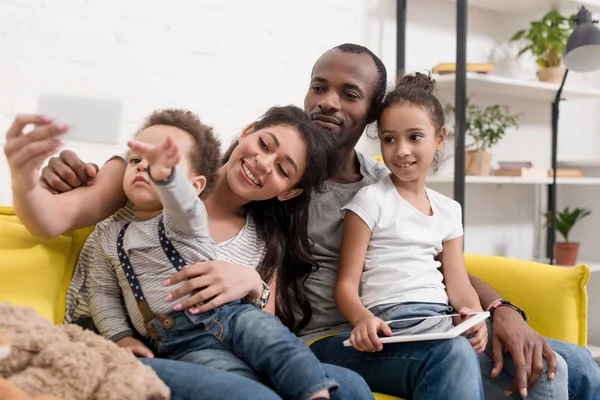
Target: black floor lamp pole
552	187
460	102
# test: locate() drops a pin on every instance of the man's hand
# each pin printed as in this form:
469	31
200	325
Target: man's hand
161	159
25	153
135	346
67	172
511	334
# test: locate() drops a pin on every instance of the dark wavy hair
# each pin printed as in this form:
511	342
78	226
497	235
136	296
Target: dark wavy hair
284	224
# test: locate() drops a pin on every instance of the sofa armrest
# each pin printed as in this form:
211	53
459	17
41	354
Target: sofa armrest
554	298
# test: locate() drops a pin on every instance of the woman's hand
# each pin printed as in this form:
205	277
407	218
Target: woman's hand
135	346
26	152
216	282
364	335
477	335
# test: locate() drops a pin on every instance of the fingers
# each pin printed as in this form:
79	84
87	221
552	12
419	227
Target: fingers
34	150
22	120
51	179
200	298
385	329
210	305
24	146
521	373
188	272
537	365
497	356
140	147
363	342
74	163
91	170
142	351
550	357
481	339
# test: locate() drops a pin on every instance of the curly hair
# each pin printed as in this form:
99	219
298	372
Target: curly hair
205	153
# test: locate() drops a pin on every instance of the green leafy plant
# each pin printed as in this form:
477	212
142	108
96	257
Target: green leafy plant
566	220
547	38
484	127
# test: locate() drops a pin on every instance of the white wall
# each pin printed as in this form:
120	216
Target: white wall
231	60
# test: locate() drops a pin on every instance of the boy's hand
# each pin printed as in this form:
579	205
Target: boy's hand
135	346
477	335
364	335
161	159
26	152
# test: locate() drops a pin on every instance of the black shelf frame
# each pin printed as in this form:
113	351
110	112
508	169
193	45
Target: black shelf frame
460	91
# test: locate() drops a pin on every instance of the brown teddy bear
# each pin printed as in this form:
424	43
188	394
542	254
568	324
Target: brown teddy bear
68	362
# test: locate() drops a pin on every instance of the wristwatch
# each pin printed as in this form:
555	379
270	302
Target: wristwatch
505	303
262	301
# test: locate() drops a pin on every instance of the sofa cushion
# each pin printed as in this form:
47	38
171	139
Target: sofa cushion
36	272
554	298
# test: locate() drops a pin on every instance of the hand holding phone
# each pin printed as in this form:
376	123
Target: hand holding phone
93	120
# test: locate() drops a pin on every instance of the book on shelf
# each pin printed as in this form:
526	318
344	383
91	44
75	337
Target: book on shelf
522	172
450	68
566	173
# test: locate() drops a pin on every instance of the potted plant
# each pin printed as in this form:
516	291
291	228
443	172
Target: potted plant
567	251
546	40
484	127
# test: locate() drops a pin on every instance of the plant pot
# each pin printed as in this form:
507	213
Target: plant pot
478	163
552	74
566	253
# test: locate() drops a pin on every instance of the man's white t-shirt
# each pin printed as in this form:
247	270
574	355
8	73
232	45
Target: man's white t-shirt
400	264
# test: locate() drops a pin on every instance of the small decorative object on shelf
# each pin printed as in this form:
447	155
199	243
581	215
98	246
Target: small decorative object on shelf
567	251
450	68
484	127
547	40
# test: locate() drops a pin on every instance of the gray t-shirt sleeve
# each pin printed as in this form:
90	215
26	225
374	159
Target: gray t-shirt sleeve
183	210
105	297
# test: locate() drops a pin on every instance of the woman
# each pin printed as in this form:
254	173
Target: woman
274	206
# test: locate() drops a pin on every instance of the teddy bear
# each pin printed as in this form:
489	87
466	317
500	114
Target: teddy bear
67	362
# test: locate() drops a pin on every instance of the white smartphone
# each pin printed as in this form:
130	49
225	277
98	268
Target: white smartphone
95	120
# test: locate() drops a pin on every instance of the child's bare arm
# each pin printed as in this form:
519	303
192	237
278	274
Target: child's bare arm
459	288
355	241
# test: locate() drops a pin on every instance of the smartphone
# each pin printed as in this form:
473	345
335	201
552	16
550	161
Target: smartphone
90	119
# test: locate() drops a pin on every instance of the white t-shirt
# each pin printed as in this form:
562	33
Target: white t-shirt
400	264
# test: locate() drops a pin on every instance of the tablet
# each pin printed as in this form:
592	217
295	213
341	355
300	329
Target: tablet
93	120
441	328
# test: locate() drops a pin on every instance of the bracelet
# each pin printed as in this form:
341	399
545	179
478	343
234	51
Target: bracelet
499	303
163	182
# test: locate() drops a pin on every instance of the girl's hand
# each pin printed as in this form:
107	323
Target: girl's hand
217	282
161	159
26	152
477	335
364	335
135	346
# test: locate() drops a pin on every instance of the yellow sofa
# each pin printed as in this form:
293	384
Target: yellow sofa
36	272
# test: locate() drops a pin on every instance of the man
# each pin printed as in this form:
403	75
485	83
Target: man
347	85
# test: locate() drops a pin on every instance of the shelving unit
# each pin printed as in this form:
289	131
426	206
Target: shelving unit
511	87
500	180
519	6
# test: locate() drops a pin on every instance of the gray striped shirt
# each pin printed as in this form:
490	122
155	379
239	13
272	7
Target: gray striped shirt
99	270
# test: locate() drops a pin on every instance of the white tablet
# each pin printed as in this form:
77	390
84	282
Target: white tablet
436	334
90	119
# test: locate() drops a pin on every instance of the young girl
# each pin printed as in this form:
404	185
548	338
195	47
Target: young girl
132	259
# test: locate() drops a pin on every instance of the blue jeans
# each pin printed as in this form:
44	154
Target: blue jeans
240	331
448	369
436	369
195	382
584	372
